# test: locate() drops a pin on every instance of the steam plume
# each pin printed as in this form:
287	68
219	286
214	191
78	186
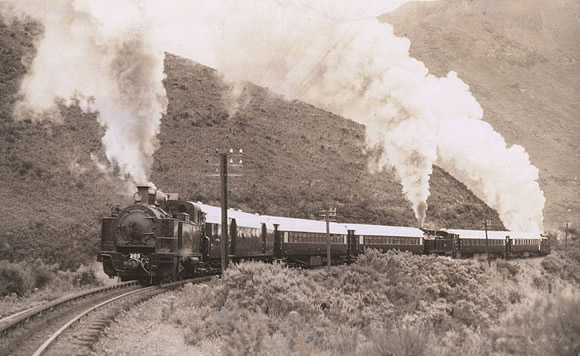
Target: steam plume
338	56
101	55
333	54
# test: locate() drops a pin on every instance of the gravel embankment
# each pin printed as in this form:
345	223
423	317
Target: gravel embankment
144	330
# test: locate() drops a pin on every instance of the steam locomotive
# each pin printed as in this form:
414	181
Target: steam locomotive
161	238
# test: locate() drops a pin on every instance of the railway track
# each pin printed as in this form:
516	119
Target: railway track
16	319
71	325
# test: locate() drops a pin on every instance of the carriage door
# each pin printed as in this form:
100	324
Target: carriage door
233	236
352	243
264	237
277	242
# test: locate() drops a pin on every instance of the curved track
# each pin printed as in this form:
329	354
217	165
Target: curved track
23	316
82	330
22	331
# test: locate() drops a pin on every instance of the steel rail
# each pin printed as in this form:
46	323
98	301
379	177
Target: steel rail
56	334
21	316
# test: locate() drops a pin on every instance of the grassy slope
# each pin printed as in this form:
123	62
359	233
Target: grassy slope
522	61
296	156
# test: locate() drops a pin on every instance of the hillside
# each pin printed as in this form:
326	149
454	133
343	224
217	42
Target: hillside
521	60
296	157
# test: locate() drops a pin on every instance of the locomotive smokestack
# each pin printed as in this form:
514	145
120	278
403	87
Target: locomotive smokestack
142	196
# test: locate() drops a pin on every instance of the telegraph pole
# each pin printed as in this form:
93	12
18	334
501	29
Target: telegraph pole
486	222
224	178
328	213
223	174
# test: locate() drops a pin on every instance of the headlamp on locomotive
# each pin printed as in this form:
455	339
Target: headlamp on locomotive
154	239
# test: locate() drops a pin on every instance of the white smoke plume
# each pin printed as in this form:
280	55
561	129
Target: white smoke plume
102	55
333	54
337	55
235	97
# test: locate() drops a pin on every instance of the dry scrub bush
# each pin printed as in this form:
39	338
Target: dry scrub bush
564	262
335	313
386	303
26	277
12	279
544	326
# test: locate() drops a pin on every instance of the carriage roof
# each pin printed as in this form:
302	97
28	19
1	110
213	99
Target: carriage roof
214	216
479	234
495	235
305	225
380	230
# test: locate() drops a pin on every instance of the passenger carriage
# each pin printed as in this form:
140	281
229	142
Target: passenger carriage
473	243
384	238
525	244
304	242
250	236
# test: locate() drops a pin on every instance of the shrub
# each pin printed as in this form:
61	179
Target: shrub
541	326
401	340
509	268
42	278
30	276
84	275
12	279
